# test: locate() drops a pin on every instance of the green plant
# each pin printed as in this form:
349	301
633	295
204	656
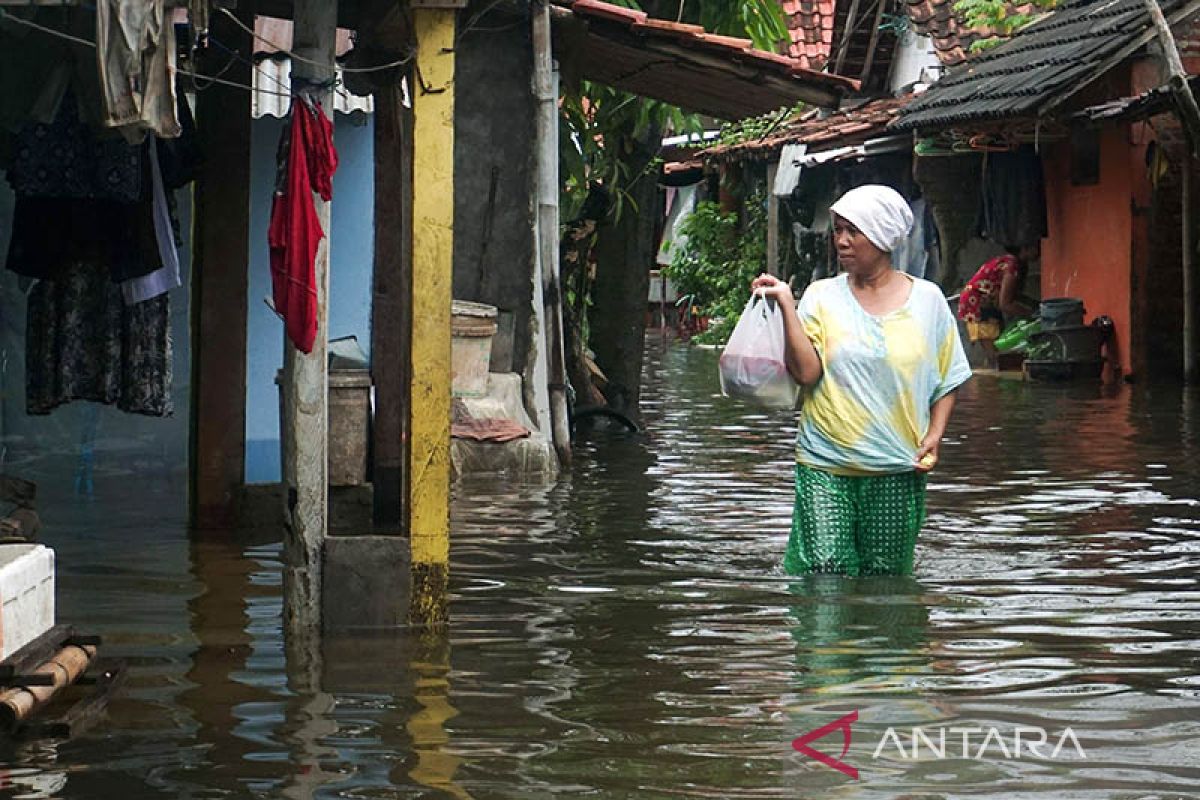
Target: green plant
600	124
999	18
751	128
721	257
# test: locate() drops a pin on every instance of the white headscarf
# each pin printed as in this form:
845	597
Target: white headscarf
880	212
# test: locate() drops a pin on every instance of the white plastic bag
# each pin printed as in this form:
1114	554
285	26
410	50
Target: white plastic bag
753	366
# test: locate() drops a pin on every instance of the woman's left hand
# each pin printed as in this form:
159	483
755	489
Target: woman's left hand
927	454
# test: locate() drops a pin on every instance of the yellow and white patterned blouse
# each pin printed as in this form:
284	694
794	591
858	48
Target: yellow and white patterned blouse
870	409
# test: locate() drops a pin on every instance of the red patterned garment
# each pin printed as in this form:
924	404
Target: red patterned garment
308	161
983	290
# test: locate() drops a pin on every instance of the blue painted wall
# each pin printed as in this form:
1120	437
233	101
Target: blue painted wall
351	255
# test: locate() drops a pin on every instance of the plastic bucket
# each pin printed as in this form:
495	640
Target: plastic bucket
1061	312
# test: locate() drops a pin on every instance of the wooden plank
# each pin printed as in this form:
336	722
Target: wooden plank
83	713
35	652
219	290
305	375
869	59
391	305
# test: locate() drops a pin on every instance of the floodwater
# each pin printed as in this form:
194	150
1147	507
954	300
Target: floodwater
628	633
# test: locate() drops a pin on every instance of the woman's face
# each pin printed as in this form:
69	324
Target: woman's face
856	253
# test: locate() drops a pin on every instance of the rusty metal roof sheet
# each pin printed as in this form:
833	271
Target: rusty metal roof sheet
847	127
722	76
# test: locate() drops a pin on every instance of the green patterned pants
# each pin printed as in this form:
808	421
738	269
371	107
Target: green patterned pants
855	525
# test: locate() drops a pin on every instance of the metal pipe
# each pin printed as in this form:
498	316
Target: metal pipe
545	88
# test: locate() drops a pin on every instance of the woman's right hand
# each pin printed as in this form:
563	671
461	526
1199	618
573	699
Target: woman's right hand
770	286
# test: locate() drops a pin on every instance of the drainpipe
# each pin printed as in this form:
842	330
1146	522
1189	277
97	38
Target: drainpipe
545	91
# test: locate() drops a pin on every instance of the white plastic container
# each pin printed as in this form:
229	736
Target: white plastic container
472	327
26	594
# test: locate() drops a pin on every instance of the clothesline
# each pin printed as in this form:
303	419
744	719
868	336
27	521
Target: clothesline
320	64
4	15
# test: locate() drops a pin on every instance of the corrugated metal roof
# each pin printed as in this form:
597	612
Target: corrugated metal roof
1040	65
271	76
271	79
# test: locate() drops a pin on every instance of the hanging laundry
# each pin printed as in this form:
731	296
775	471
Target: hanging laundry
83	343
306	163
912	256
80	197
135	53
165	278
65	159
1013	198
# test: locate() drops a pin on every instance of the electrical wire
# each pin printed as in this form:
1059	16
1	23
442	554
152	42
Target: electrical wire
321	64
236	56
234	84
4	15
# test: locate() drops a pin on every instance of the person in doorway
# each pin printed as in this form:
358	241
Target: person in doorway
993	296
879	353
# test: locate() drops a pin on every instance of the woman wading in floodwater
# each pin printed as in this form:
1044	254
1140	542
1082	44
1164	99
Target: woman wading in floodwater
880	356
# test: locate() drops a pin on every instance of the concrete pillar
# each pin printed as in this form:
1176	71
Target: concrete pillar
432	270
305	376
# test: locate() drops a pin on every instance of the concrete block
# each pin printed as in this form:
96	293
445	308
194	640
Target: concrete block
533	457
26	595
365	582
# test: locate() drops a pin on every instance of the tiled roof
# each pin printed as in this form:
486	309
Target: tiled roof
1041	65
952	37
810	27
847	127
683	65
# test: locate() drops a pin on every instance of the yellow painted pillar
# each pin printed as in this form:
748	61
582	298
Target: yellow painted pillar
432	260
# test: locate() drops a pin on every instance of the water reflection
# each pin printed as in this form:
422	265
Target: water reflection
859	634
628	632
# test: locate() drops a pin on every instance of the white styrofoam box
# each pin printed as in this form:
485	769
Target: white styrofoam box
26	594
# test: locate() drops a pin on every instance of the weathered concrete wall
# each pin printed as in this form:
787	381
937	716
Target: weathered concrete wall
494	246
951	185
1087	252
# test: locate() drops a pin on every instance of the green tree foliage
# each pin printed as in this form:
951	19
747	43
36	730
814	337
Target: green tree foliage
754	128
600	123
1001	18
722	256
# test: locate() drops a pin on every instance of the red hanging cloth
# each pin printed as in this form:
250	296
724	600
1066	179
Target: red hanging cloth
308	161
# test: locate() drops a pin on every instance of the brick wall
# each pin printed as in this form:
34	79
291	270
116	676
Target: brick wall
1187	39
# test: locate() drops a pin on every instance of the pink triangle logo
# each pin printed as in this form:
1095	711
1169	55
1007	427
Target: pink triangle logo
800	744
